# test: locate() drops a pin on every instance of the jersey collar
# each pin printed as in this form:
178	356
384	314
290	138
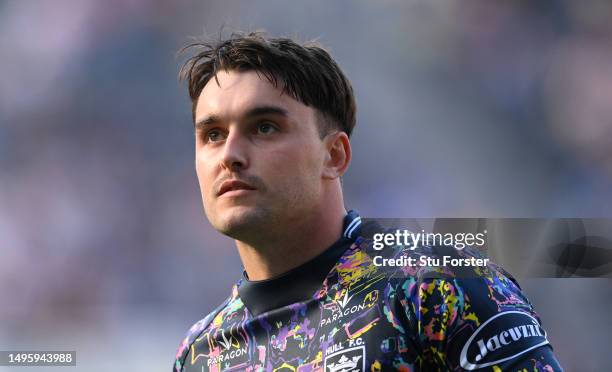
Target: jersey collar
302	282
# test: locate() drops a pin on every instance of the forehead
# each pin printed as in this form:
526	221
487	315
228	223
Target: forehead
238	92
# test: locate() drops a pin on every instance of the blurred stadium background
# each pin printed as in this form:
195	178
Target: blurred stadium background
466	109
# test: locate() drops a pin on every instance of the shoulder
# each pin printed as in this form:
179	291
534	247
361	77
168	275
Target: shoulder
469	316
414	264
441	280
195	331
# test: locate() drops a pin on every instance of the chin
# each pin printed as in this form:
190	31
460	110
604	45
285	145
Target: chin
238	222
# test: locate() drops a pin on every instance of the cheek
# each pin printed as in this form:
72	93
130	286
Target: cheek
298	167
204	177
310	159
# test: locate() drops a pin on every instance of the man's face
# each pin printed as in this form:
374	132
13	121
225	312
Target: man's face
259	157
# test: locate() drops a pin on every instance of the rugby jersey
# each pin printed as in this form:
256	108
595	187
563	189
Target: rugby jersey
340	312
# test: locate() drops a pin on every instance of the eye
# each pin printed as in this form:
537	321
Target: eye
213	135
265	128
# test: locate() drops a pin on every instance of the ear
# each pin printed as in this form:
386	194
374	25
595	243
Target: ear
337	155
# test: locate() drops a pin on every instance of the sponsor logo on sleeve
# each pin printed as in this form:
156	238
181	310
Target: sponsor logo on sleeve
226	342
342	306
230	348
502	337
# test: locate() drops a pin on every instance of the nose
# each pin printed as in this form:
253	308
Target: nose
234	157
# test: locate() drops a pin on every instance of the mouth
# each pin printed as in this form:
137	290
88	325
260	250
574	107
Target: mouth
234	187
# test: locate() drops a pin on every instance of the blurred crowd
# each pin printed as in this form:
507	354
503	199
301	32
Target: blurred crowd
473	109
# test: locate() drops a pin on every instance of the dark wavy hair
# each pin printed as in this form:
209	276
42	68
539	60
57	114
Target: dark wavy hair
305	71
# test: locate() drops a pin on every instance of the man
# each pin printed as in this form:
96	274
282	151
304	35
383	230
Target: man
272	124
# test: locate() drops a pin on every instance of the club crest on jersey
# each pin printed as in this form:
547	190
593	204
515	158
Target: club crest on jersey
352	359
501	338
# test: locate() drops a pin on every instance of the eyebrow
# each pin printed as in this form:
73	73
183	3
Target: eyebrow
255	111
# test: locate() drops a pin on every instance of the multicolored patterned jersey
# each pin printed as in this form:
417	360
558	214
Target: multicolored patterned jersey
341	312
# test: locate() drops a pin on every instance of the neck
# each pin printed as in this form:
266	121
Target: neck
294	244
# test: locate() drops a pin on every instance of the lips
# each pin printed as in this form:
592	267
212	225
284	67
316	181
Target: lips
231	185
